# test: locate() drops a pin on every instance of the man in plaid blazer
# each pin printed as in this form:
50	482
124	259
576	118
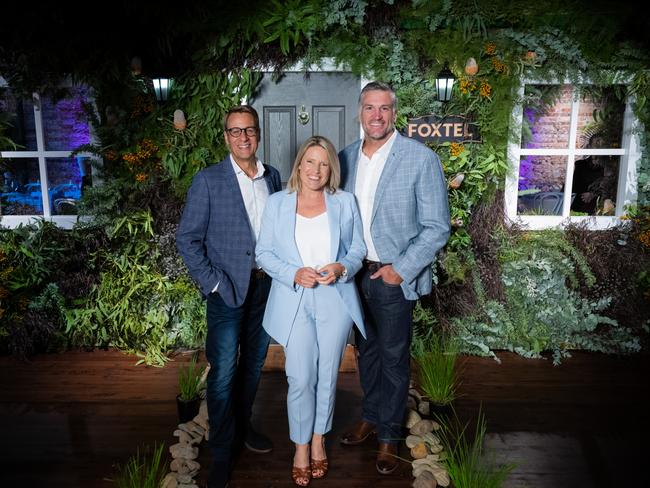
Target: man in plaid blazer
402	196
216	238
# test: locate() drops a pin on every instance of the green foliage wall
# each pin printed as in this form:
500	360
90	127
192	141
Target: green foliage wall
496	286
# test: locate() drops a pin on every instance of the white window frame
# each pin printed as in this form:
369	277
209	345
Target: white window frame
63	221
629	154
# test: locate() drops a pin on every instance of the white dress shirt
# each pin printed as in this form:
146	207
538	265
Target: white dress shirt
255	193
368	173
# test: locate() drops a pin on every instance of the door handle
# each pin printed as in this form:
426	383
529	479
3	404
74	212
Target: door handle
303	115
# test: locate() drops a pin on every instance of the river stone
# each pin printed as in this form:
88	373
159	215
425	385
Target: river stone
169	481
424	408
419	451
422	427
425	480
412	419
413	440
183	437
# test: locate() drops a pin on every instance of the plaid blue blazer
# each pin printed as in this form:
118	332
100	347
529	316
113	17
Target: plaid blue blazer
215	237
410	216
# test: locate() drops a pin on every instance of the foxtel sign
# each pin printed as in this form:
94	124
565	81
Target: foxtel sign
431	128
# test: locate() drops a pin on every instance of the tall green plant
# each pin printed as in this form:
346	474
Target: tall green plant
190	378
436	357
466	460
134	307
145	469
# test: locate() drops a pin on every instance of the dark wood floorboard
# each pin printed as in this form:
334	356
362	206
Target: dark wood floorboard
69	418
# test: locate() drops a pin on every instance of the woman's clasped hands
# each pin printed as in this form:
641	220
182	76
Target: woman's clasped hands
325	275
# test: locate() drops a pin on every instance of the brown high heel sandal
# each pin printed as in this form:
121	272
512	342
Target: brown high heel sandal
301	476
318	468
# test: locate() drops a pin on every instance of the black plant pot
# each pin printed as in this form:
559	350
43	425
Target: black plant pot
442	411
187	410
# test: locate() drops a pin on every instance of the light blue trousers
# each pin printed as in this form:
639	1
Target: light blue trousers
313	355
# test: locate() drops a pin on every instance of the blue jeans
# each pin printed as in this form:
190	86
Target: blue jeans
384	356
236	347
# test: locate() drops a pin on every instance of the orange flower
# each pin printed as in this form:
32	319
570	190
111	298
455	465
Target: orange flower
498	65
485	89
455	148
490	48
131	158
467	85
644	238
140	177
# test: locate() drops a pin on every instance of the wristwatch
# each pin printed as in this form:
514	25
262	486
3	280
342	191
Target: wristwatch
344	273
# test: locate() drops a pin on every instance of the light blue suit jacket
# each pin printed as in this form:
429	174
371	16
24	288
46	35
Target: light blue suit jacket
410	215
277	253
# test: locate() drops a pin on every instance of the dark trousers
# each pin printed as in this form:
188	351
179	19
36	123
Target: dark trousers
236	347
384	356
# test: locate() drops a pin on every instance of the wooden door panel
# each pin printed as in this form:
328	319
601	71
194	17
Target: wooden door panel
279	129
329	121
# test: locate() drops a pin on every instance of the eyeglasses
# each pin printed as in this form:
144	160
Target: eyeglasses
236	131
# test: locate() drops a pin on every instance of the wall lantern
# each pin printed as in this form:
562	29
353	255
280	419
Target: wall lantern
444	84
161	87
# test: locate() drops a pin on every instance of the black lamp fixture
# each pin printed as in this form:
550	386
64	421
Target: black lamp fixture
444	84
161	87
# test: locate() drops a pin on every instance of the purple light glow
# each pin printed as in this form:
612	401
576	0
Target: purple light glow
526	170
526	166
71	115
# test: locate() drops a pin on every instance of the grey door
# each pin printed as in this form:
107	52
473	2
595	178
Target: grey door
297	107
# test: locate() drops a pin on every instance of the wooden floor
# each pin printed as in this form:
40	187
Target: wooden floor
67	419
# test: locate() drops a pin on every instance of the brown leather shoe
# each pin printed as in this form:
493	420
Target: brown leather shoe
358	433
387	460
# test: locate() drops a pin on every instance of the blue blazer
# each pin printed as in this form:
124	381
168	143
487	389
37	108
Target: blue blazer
278	254
215	237
410	214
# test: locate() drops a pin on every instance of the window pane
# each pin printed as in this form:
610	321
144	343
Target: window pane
21	187
547	116
595	181
541	185
21	118
600	118
67	178
65	124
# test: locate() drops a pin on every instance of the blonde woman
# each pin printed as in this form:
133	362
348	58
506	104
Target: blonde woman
311	244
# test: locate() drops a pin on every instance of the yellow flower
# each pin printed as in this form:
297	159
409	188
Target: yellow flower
140	177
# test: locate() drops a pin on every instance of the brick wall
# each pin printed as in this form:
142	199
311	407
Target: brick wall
551	130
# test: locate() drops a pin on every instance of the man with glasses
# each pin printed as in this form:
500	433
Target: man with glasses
216	238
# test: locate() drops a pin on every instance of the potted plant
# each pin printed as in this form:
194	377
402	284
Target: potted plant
435	359
190	384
